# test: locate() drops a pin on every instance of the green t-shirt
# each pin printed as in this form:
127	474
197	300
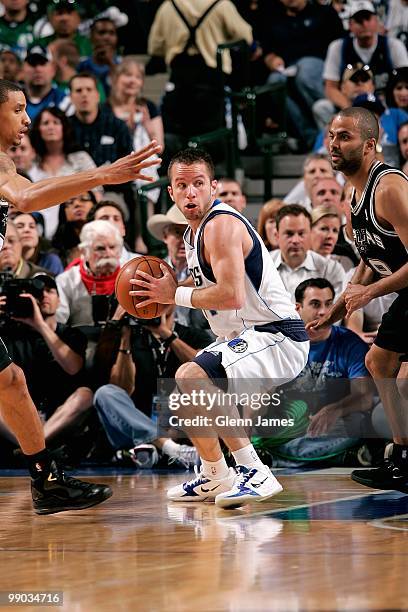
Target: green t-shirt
83	44
17	33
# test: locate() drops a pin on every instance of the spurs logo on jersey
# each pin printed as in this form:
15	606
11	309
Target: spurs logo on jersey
379	247
266	297
3	220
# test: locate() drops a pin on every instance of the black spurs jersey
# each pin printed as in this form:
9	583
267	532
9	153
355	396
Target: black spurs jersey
379	247
4	205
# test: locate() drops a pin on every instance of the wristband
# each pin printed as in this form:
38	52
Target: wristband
170	339
183	296
125	351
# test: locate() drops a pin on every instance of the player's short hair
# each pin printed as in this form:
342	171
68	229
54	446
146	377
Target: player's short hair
366	121
292	209
190	157
319	283
5	88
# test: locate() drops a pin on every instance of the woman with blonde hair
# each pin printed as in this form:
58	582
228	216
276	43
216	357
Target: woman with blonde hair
128	103
266	223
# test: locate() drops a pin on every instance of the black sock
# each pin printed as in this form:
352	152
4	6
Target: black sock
400	454
39	464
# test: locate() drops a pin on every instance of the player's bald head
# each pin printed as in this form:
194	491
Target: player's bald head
365	120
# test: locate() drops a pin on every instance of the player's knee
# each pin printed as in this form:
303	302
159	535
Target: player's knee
187	375
379	366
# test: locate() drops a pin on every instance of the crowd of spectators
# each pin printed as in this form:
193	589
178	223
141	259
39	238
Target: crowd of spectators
91	368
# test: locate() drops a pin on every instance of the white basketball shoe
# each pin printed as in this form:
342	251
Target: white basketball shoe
250	485
201	488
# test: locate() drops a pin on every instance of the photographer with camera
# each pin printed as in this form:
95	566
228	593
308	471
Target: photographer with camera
143	352
51	355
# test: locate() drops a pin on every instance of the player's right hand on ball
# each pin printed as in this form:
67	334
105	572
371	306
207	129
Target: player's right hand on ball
131	167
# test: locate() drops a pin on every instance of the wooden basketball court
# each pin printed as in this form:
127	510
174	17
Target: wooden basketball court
325	543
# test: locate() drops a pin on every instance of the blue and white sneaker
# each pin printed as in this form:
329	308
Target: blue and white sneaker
201	488
251	484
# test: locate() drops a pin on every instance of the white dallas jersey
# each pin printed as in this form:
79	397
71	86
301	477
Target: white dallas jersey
266	298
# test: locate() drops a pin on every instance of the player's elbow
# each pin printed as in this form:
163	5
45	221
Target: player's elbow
235	301
24	203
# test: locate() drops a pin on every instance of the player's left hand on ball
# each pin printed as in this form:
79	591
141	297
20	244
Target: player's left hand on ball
156	290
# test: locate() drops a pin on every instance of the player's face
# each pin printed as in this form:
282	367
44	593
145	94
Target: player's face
324	235
316	303
192	190
346	147
230	192
27	230
14	120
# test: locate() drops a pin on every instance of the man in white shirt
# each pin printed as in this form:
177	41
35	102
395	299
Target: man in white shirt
294	260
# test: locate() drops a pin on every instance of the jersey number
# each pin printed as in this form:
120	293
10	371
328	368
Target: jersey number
380	267
197	278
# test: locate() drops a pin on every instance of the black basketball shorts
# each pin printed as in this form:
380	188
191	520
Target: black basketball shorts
393	332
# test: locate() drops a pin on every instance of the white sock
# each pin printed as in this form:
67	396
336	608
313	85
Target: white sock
215	469
247	456
170	448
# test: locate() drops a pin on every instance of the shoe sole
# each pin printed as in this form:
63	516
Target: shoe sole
230	502
369	483
193	500
90	504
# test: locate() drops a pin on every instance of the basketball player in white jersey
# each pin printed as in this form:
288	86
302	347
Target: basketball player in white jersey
51	490
260	336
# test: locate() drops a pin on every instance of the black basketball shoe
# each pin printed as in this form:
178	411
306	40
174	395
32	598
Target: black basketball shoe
389	476
58	492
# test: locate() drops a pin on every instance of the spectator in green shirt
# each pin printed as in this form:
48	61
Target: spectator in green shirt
65	18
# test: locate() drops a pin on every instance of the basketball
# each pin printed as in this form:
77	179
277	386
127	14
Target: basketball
150	265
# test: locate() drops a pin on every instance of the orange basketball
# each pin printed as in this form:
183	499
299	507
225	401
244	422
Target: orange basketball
150	265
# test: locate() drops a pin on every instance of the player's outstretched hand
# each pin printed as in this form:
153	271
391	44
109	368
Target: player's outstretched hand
131	167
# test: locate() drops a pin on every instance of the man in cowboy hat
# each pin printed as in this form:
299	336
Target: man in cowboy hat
170	228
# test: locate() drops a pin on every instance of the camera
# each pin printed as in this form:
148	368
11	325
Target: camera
17	306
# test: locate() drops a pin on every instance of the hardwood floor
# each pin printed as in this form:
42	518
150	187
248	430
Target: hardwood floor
325	543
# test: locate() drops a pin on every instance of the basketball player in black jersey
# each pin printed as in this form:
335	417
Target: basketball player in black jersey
52	491
379	216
